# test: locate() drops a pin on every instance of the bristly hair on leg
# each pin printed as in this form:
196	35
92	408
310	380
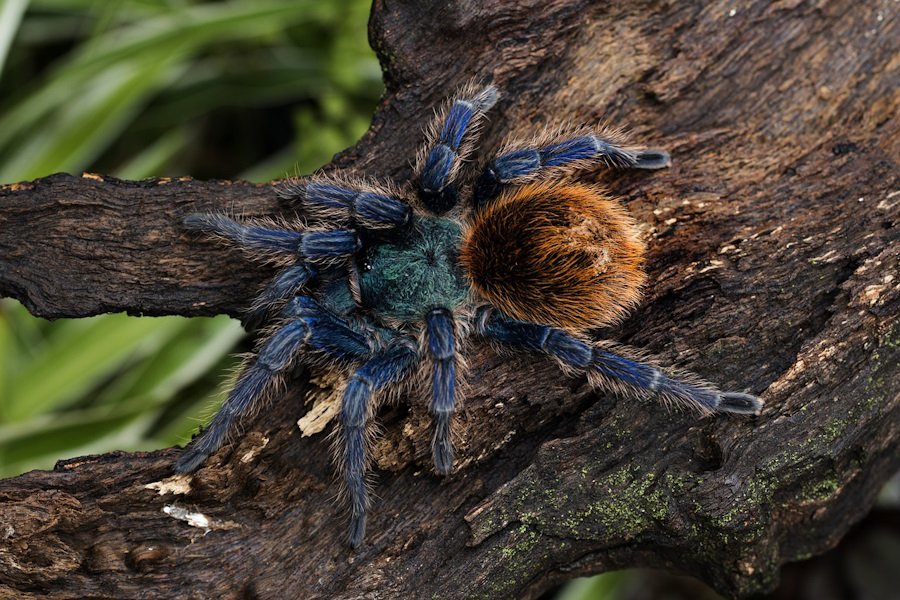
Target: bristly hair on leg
381	370
481	98
612	367
612	147
559	153
345	200
229	380
287	284
442	351
450	139
629	372
277	242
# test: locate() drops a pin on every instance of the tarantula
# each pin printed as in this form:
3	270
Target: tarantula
388	282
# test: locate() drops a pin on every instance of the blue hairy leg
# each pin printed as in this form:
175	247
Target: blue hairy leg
311	245
337	202
441	342
442	160
285	285
581	151
385	368
310	327
328	334
609	370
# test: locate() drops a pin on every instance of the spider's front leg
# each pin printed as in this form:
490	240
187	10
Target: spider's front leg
264	241
358	204
608	367
340	207
521	161
308	326
451	138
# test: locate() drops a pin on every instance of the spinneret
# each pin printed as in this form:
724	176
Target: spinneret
386	283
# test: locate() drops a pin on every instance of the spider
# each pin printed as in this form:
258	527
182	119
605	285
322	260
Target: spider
388	282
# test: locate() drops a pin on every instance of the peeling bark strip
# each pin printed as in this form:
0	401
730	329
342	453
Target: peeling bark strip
773	266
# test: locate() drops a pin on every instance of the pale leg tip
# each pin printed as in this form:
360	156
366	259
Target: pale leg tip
443	459
652	159
737	402
357	531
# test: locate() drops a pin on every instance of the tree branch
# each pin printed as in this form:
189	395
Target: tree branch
773	267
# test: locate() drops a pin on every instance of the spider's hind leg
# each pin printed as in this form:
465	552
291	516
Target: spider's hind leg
521	161
308	326
383	369
441	345
608	366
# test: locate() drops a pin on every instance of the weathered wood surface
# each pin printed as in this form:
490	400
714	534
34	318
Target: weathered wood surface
773	267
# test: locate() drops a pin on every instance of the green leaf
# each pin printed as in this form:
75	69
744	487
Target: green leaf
149	46
136	91
80	358
605	586
84	128
188	356
11	12
153	159
69	438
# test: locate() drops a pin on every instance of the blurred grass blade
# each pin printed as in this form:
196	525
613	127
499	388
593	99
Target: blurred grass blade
86	126
189	355
7	350
121	430
152	159
76	362
48	433
198	346
605	586
148	40
11	12
156	87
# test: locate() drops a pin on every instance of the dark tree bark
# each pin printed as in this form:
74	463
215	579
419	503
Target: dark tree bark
773	267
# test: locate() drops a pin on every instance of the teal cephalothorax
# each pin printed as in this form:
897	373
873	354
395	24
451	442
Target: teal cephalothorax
405	278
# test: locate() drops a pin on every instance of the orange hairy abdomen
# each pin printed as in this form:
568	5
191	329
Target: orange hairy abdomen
563	254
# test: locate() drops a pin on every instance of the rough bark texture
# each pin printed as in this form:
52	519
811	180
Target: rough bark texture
773	267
